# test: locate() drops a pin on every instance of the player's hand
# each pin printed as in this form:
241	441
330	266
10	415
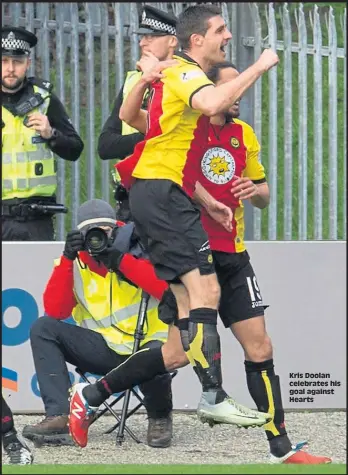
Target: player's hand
222	214
243	188
41	124
152	68
147	62
268	59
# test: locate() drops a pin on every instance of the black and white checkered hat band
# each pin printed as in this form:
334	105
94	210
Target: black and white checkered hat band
13	44
159	26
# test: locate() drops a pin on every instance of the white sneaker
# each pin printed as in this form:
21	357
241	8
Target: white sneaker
18	453
230	412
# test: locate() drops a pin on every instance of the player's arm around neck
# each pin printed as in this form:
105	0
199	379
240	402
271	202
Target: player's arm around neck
131	111
211	101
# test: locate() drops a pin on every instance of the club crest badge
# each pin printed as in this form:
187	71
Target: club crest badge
218	165
235	142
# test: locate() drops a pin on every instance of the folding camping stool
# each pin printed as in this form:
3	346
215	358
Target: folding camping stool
126	414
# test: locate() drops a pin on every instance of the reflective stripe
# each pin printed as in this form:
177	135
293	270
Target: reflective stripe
39	154
7	185
6	158
117	317
21	157
159	335
78	285
119	348
131	310
89	323
24	183
122	348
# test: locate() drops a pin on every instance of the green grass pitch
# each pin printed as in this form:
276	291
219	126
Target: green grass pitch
184	469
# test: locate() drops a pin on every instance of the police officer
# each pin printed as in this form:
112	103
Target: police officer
117	139
35	126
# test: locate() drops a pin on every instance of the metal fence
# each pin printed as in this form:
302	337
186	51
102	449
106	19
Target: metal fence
298	110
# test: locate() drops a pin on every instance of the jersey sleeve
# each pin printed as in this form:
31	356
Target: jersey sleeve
185	80
254	168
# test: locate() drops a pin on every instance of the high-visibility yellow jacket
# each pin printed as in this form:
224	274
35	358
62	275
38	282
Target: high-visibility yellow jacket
28	165
132	78
109	305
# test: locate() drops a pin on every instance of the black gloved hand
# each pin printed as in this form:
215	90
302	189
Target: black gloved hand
111	258
73	244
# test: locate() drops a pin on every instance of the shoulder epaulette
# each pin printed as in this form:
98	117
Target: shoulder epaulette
47	85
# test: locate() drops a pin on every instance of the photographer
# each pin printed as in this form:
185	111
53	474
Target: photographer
104	304
35	126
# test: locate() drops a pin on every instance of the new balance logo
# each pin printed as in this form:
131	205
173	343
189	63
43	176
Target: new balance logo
77	410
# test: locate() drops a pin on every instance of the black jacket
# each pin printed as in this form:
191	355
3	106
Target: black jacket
68	144
112	144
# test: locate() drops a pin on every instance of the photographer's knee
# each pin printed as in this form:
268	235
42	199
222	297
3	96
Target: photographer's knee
41	326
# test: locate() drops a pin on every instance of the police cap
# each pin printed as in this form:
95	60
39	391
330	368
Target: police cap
156	22
16	41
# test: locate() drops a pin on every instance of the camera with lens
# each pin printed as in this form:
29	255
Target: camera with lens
123	239
97	240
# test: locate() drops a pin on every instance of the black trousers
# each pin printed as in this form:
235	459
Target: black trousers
16	229
55	343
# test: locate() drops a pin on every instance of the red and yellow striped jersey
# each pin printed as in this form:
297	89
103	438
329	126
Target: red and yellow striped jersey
232	151
175	131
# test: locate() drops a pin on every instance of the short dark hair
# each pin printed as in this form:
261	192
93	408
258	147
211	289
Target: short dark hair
214	73
194	20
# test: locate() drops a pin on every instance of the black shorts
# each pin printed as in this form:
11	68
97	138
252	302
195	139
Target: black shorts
240	294
169	226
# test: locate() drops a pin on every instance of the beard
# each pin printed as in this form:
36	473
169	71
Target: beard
12	87
229	117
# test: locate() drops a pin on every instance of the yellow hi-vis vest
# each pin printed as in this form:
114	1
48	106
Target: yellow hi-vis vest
20	156
116	320
131	79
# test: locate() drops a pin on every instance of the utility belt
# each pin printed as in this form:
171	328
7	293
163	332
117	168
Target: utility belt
31	210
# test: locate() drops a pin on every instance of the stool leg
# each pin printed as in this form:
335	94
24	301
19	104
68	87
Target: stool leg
130	413
120	434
